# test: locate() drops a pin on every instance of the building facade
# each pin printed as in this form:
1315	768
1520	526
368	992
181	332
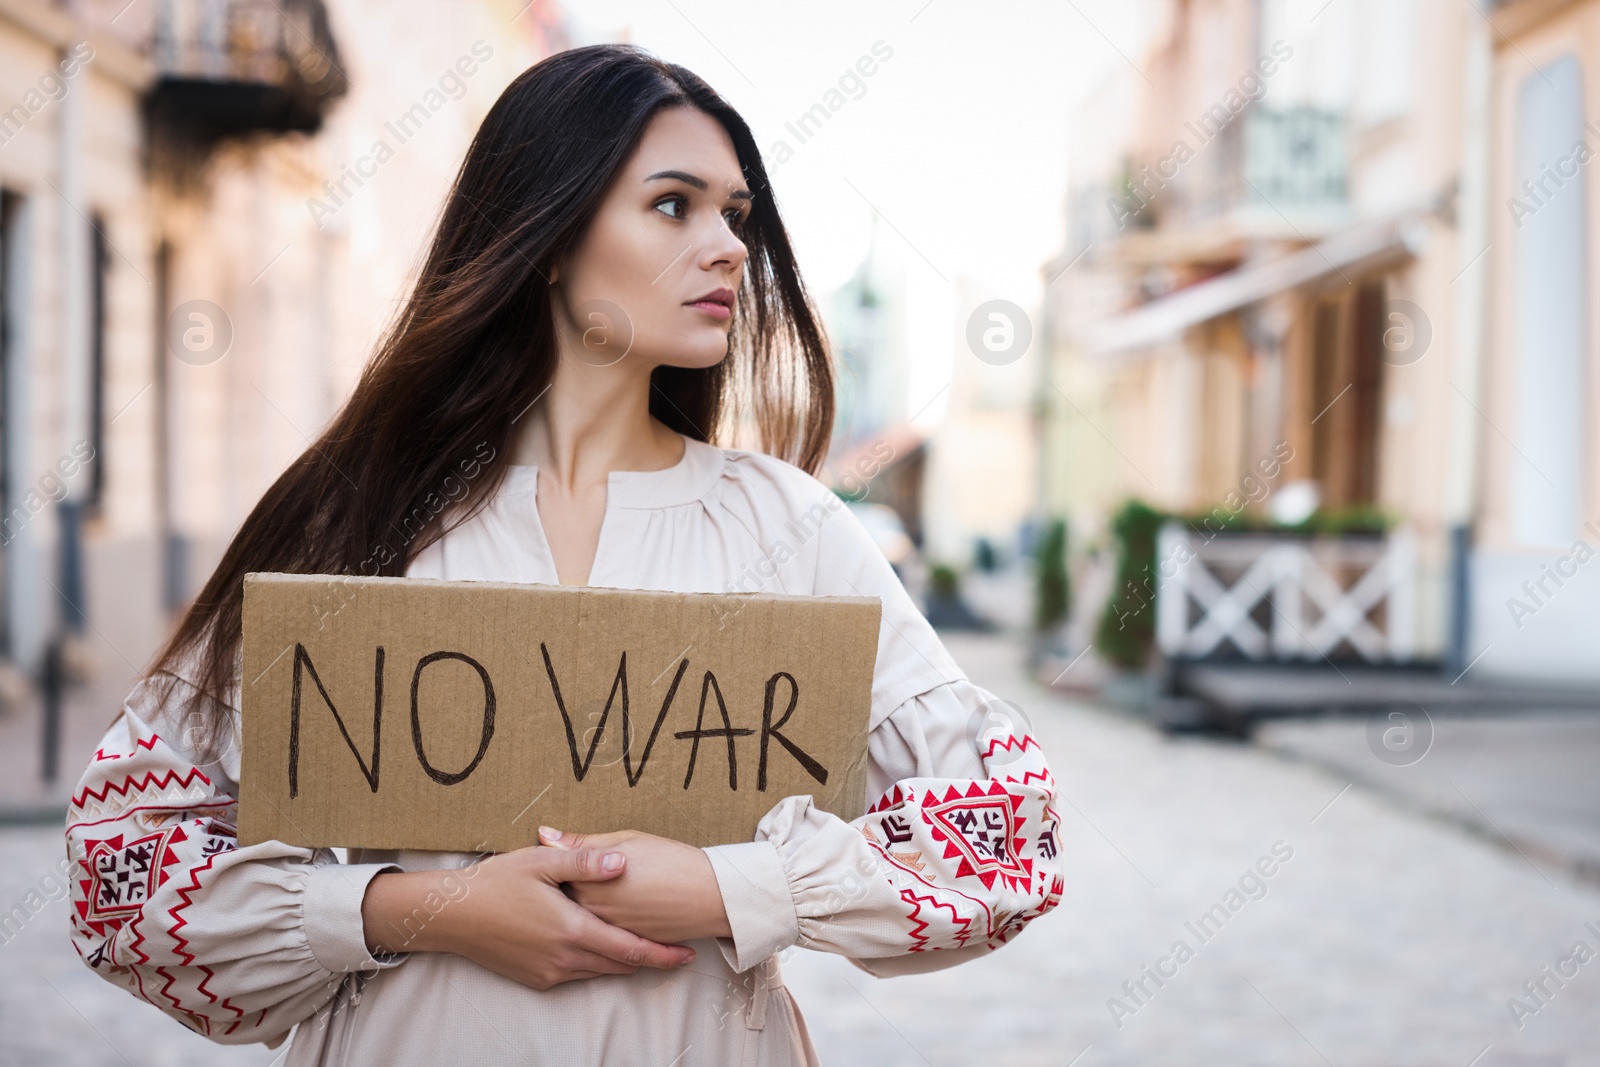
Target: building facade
1535	585
208	211
1259	290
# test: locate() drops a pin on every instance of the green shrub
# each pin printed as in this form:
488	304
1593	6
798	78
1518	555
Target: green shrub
1127	627
1052	583
1356	519
1126	633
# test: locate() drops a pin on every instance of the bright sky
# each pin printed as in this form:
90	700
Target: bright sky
959	139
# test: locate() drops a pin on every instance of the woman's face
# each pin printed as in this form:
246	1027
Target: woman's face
655	278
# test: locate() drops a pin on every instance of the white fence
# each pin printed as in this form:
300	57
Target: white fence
1277	597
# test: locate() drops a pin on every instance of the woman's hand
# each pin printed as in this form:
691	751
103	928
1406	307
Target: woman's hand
508	913
669	892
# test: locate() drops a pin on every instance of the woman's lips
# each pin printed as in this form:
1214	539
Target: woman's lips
718	311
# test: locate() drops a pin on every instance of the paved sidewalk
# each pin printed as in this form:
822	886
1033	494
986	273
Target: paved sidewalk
54	1010
87	710
1528	778
1387	938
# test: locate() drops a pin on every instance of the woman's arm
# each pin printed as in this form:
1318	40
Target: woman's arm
241	943
956	855
958	850
237	943
508	913
670	892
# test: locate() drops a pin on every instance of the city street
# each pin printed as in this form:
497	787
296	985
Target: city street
1218	379
1382	936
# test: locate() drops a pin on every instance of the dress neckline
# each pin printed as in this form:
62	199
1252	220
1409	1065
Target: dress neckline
684	482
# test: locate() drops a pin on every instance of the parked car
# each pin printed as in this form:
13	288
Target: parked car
884	524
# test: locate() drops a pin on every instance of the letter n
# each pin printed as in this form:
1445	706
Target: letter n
303	665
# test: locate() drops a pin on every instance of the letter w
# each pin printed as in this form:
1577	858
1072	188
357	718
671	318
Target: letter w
619	684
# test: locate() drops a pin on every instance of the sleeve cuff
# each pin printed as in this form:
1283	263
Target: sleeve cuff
334	929
755	893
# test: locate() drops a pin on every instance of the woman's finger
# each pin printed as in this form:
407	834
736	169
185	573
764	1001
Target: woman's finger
565	839
593	963
559	839
573	976
583	866
615	943
568	840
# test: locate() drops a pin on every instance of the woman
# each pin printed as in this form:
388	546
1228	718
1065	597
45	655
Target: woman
609	291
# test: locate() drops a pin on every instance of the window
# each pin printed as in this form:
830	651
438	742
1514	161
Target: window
1549	283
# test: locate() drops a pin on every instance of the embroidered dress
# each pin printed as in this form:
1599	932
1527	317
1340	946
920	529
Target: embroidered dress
957	853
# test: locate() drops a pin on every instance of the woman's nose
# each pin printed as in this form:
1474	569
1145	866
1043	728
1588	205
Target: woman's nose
722	245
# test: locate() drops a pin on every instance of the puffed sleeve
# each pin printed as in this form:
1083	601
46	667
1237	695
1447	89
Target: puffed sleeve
957	854
958	850
237	943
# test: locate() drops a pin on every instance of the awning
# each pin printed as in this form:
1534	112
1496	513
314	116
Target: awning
871	454
1356	250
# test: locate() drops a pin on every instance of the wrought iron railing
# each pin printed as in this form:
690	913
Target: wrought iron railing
227	66
1292	157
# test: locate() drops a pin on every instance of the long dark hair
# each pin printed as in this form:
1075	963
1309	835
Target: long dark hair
423	441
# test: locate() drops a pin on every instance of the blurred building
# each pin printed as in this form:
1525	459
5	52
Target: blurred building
983	461
866	319
877	454
79	317
1275	210
208	210
972	479
1535	584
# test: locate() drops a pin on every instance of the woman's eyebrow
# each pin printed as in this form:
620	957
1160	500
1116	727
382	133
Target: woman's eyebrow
699	183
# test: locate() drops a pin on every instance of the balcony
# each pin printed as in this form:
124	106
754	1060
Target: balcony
1293	160
1266	172
232	67
1266	165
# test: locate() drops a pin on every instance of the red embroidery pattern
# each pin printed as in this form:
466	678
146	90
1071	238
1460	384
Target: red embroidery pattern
958	852
122	876
128	862
980	830
954	929
131	785
181	944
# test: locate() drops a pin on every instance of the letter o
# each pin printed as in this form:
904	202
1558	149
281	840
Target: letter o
416	721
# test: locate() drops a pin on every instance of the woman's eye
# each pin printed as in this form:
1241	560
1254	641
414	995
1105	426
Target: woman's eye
677	207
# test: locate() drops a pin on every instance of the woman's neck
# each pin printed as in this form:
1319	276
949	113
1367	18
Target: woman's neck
578	432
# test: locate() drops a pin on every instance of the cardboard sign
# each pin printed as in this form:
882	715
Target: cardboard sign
460	716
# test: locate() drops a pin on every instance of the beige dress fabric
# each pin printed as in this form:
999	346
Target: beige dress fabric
957	853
